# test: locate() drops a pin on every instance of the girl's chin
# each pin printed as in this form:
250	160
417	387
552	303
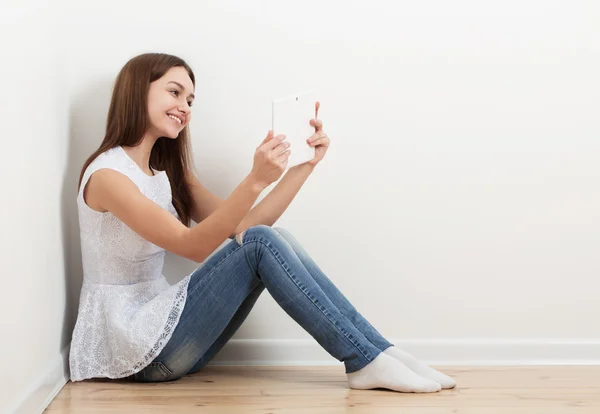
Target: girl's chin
171	133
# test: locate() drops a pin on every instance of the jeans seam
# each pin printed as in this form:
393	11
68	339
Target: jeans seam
326	314
245	251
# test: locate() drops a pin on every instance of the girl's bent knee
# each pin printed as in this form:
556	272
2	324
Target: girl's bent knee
259	232
262	231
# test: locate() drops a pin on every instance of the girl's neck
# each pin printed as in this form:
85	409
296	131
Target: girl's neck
140	154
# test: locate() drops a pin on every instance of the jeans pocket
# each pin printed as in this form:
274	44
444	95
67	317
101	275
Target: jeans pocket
155	372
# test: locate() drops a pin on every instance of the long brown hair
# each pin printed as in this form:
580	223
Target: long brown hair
128	121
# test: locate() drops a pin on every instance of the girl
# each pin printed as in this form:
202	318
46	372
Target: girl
137	196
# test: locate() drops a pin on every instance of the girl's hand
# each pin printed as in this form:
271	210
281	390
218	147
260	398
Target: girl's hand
319	140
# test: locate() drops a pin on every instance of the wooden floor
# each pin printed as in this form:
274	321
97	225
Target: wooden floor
298	390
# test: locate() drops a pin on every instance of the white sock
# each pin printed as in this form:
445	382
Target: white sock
387	372
420	368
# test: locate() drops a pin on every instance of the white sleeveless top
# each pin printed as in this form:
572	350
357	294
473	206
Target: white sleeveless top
127	309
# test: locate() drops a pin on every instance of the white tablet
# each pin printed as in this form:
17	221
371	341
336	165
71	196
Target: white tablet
291	117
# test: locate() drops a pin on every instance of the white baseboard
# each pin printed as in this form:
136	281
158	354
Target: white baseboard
440	352
43	389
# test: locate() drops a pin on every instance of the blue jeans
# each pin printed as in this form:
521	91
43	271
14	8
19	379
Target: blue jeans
222	292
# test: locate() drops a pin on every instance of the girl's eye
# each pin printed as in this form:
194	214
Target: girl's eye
176	93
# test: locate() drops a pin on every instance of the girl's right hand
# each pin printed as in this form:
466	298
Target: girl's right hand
270	159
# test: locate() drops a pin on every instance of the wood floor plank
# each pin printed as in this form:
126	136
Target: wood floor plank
295	390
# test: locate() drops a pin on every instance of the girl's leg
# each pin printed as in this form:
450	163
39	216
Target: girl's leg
234	325
220	295
296	291
348	310
334	294
221	287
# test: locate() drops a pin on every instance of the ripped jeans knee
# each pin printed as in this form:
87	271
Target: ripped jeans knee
240	237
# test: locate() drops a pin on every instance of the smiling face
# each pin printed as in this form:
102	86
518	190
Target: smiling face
169	103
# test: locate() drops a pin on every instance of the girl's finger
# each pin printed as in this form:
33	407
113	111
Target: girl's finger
317	123
281	148
317	135
320	141
282	158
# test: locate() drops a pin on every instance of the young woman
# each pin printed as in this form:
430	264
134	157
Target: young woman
137	196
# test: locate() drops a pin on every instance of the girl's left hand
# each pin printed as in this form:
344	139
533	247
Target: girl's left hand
319	140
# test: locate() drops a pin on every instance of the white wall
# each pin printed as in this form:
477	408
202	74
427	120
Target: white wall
458	203
459	198
33	306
